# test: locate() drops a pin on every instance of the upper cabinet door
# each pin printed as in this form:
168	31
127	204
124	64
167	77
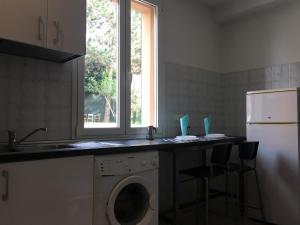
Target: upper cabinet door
67	26
24	21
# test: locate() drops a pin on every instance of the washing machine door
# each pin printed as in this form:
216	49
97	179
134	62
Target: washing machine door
131	202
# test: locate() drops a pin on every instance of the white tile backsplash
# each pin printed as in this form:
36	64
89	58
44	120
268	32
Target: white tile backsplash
192	91
35	93
234	92
223	96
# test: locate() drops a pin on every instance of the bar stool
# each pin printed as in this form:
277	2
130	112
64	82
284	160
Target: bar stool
218	166
247	155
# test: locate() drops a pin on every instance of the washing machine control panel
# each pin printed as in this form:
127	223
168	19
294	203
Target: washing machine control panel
122	164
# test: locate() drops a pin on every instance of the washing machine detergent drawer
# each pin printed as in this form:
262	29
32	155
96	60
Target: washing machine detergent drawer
122	164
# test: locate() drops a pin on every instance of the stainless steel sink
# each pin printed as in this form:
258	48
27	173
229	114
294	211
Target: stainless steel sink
54	147
112	144
34	148
4	149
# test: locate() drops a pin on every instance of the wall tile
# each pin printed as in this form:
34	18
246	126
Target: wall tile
257	76
224	95
197	92
234	108
280	76
34	94
295	75
242	79
38	93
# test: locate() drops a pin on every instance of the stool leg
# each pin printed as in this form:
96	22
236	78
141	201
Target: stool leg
238	196
200	193
260	196
227	192
206	181
242	193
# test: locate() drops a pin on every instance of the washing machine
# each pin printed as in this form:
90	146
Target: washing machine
126	189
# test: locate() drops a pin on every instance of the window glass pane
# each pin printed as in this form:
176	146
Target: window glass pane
101	106
143	110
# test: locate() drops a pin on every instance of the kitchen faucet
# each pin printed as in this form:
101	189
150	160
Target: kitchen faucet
12	137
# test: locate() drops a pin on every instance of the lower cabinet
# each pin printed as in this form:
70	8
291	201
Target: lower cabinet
47	192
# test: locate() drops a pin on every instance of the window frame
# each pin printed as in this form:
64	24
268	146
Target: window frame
125	129
140	130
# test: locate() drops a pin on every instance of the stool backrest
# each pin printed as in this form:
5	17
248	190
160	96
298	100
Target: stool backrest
221	154
248	150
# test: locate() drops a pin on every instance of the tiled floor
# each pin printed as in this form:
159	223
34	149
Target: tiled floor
217	220
220	220
217	216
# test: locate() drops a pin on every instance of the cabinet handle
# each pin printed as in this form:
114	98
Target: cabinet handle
40	28
57	26
5	175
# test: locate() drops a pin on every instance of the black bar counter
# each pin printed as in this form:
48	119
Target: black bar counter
37	152
97	148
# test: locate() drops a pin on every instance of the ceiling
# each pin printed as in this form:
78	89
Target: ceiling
215	3
227	10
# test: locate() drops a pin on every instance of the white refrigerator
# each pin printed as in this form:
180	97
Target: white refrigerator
273	120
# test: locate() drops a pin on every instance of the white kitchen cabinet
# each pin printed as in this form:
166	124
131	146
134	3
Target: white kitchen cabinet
57	25
48	192
23	21
66	26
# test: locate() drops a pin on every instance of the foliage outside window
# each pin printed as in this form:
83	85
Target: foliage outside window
102	72
101	64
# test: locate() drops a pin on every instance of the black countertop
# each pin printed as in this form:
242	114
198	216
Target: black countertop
108	147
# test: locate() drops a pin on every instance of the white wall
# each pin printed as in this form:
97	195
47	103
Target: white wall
190	35
267	38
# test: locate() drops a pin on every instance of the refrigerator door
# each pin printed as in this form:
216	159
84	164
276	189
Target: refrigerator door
278	172
272	107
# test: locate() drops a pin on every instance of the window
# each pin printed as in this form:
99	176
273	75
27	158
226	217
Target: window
102	65
119	71
143	68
